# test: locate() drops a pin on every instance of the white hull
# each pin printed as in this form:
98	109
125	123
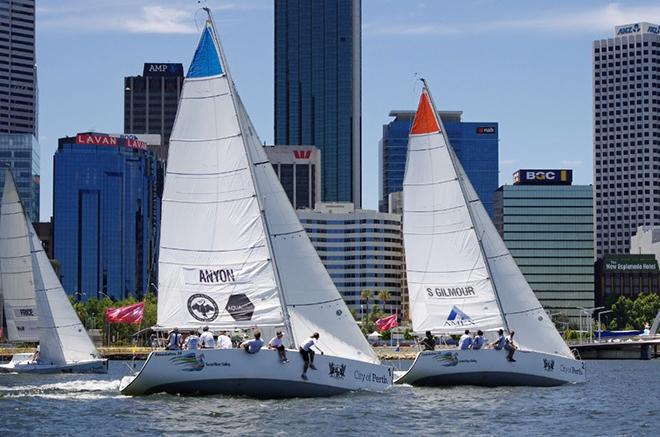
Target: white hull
22	363
489	367
261	375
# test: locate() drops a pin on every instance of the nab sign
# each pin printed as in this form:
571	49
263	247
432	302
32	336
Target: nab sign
543	177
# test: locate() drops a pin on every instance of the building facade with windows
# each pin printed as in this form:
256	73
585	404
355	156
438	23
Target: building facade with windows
361	249
625	275
299	171
20	152
318	88
548	228
475	143
626	132
106	215
18	69
151	101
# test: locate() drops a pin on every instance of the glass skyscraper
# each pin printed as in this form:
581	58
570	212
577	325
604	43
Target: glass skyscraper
318	88
475	143
20	152
549	231
106	215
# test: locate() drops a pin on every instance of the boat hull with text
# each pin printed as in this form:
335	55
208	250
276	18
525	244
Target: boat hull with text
260	375
489	367
23	363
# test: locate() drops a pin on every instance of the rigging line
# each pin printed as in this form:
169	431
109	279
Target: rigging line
206	97
433	210
313	303
420	184
212	250
201	175
524	311
287	233
202	140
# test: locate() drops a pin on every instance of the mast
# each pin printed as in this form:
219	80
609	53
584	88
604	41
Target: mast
287	321
467	203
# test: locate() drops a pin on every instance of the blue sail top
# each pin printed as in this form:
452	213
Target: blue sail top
206	61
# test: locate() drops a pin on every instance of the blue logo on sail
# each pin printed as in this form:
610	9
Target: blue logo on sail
458	318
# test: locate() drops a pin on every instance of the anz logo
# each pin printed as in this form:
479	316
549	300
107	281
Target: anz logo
633	28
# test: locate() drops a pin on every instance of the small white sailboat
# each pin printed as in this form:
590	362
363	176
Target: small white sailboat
64	345
462	276
233	255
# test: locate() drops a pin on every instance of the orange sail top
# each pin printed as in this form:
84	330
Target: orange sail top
425	121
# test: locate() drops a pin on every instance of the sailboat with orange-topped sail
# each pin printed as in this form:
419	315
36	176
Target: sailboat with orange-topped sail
461	276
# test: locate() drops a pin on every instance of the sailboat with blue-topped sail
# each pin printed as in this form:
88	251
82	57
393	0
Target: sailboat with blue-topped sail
233	255
462	276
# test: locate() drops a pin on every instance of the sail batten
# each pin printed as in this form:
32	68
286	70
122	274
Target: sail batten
449	227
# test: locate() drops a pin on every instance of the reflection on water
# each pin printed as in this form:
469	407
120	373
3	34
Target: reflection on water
621	398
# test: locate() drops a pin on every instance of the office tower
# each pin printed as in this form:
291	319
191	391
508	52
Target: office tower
299	171
626	152
151	101
547	225
20	152
475	143
106	215
625	275
18	69
318	88
361	249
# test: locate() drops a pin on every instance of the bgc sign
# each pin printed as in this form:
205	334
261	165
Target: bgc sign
543	177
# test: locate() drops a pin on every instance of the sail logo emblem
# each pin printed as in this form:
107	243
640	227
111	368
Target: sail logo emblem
240	307
548	365
457	317
217	276
202	307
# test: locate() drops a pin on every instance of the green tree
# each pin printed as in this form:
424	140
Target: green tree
621	312
633	314
384	296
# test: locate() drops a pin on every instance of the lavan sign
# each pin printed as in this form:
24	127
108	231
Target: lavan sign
543	177
637	28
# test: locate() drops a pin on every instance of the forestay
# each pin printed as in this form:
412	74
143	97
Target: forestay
452	245
225	211
16	276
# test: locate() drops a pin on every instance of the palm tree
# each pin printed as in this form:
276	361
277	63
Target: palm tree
384	296
366	295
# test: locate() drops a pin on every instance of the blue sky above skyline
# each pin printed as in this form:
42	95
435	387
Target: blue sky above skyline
523	64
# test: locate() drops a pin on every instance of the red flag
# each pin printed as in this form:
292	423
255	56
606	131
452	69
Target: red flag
387	323
128	314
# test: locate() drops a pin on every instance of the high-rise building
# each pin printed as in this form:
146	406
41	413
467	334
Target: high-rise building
106	215
361	249
475	143
318	88
299	171
20	152
625	275
151	101
18	68
547	225
626	153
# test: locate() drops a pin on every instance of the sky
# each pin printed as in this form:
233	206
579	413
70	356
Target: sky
525	64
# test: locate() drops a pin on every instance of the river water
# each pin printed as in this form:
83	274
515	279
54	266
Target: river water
621	398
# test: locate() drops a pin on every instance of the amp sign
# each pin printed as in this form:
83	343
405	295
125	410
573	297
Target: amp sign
152	69
543	177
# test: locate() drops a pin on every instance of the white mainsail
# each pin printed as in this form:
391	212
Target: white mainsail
460	273
16	276
233	253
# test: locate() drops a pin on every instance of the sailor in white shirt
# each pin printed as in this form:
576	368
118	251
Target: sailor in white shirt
206	339
465	341
308	354
224	342
192	341
276	343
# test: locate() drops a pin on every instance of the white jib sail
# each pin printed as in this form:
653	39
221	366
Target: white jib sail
62	337
448	281
16	267
219	180
518	308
